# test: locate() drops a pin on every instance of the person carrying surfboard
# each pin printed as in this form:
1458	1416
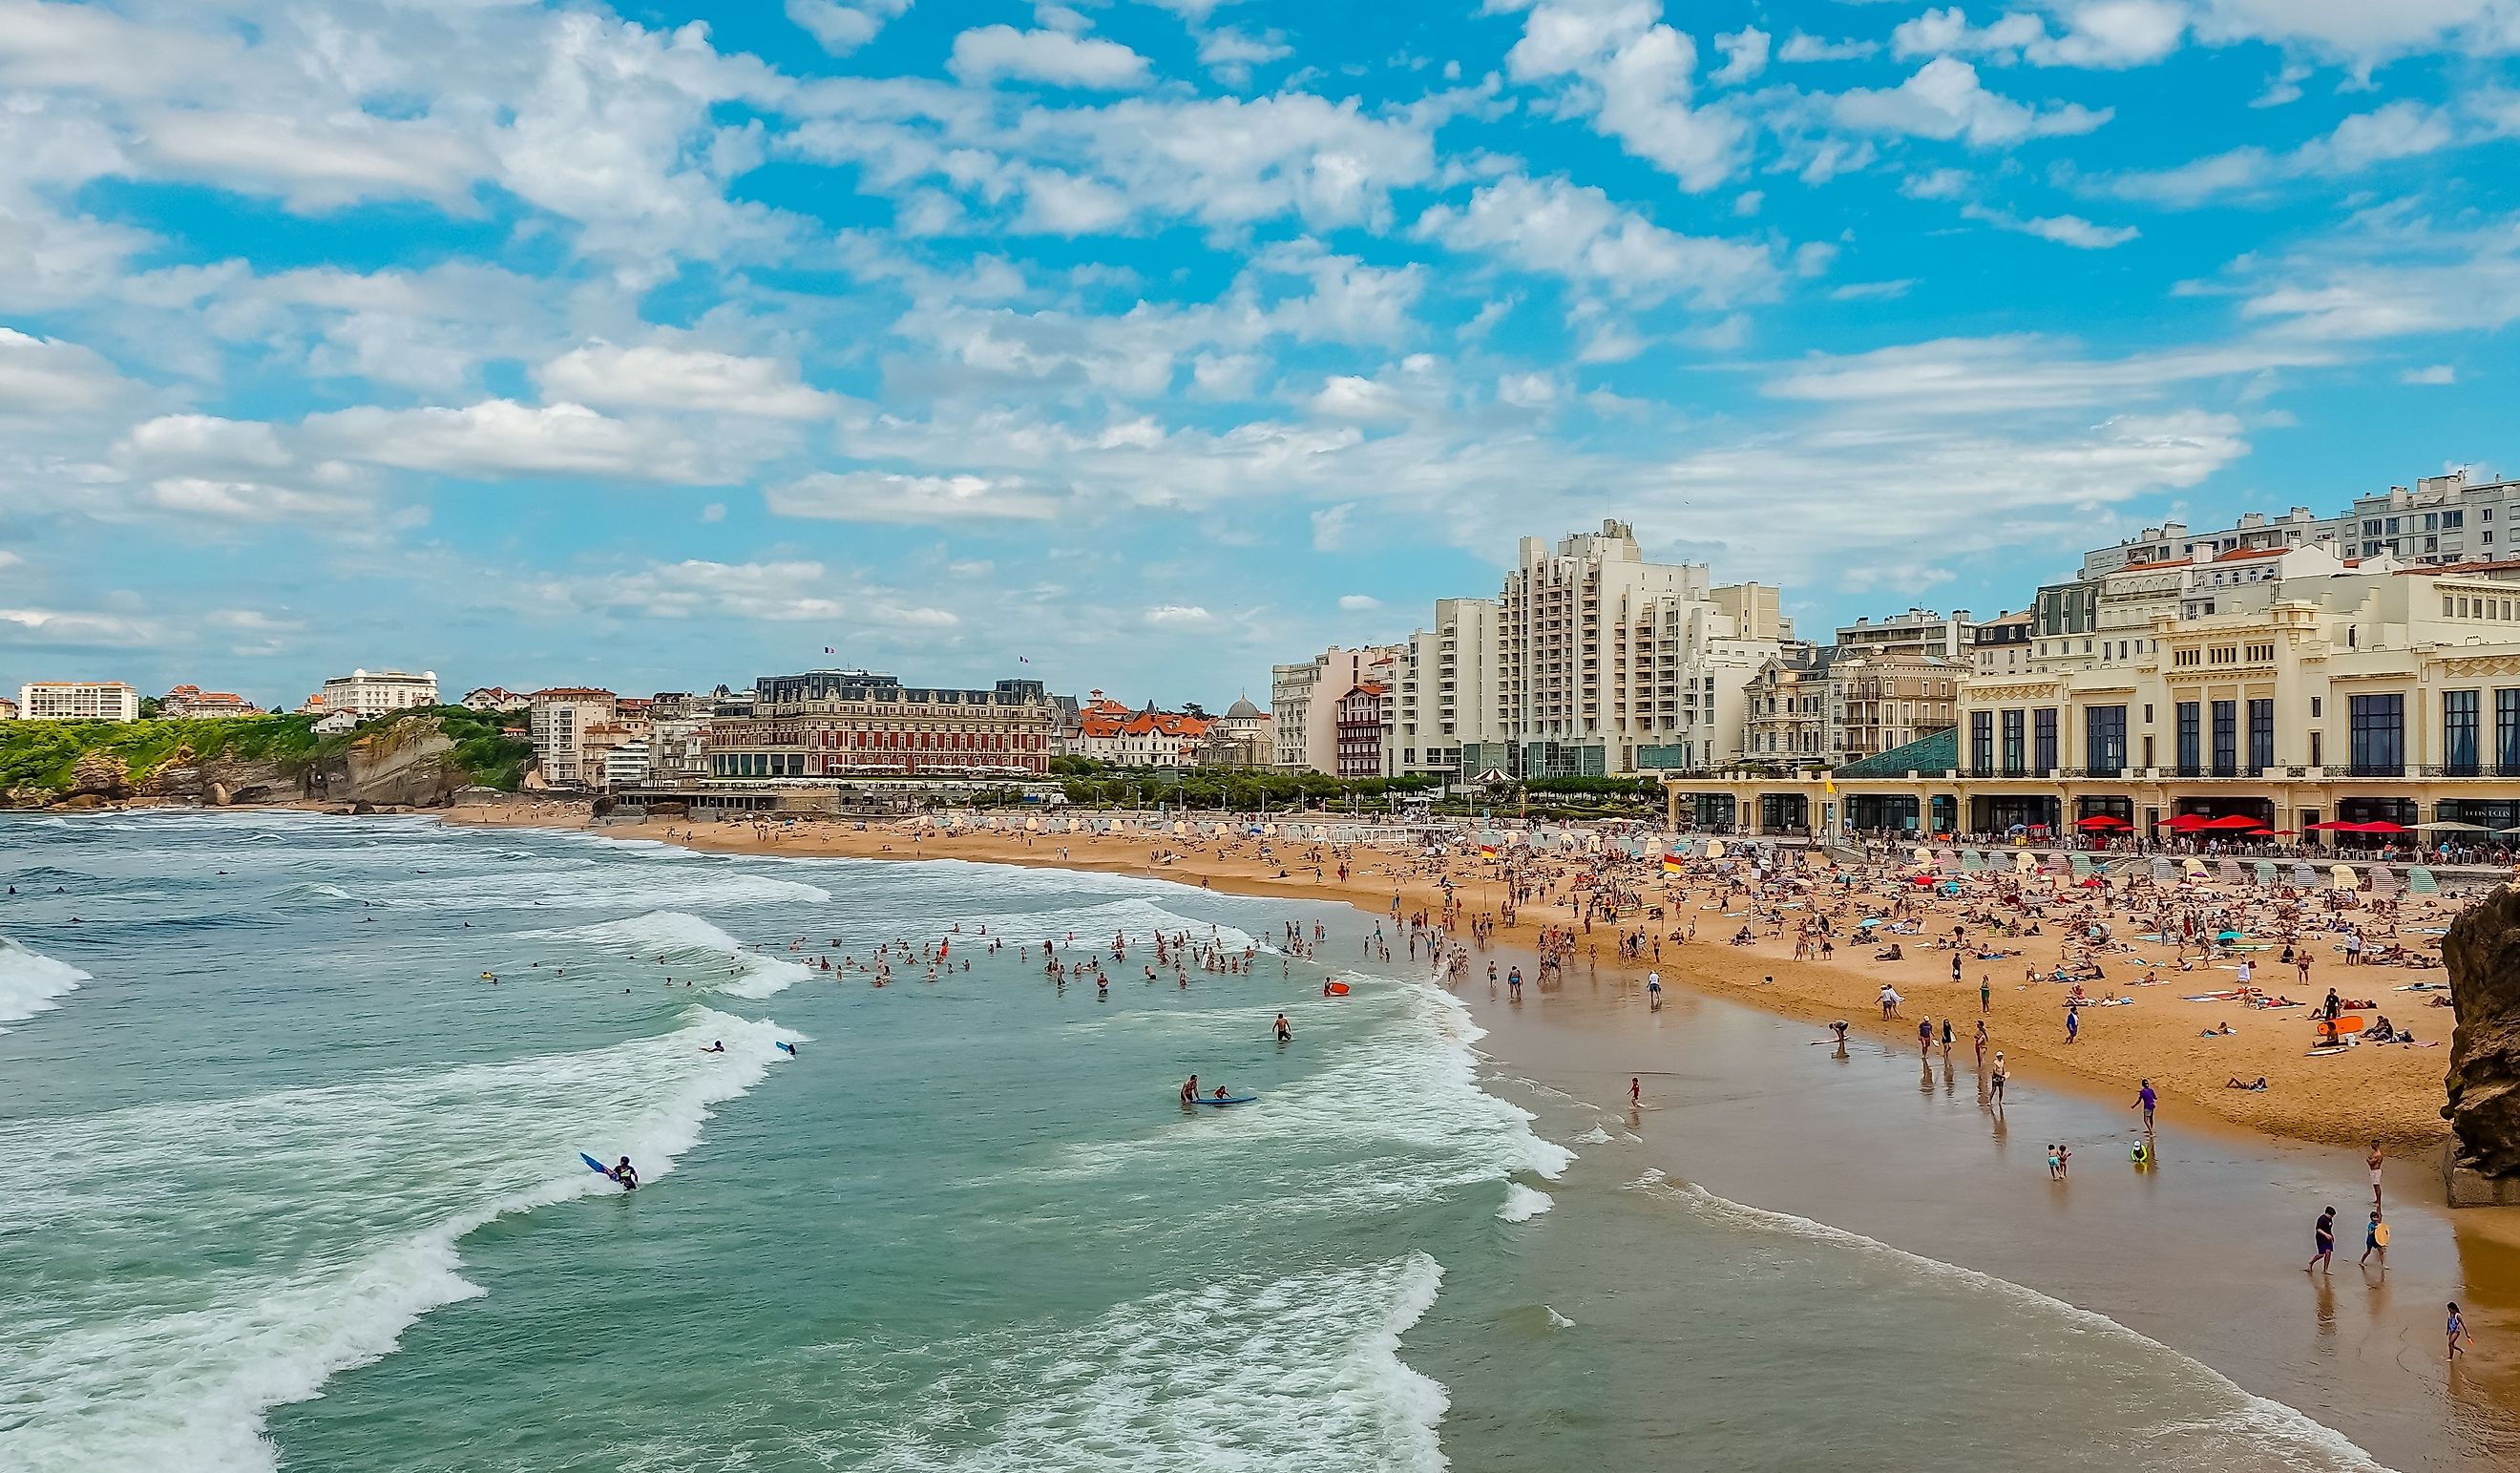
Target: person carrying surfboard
625	1173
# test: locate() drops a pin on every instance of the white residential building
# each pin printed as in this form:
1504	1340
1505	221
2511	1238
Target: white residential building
1443	694
677	750
8	709
558	725
1609	664
77	700
1918	631
375	692
1303	703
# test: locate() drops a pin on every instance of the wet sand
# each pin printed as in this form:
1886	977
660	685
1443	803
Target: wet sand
2203	1252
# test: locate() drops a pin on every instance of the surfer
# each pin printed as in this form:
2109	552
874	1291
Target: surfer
1286	1035
719	1046
625	1173
1189	1092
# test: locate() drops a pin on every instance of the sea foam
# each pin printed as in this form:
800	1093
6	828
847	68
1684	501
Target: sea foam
134	1370
31	982
682	937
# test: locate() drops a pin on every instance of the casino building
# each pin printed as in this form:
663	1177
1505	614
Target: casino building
832	723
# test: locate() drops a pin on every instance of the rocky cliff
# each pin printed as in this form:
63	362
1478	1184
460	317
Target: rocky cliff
2482	954
417	759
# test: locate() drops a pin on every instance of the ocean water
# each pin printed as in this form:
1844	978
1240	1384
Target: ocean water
291	1185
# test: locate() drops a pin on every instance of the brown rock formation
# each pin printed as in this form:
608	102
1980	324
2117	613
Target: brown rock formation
2482	954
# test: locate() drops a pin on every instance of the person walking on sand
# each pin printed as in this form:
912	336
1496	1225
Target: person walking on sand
1981	1042
2459	1336
1985	992
1994	1081
2144	1099
1924	1037
2073	1022
2373	1162
2375	1239
1635	1090
2324	1239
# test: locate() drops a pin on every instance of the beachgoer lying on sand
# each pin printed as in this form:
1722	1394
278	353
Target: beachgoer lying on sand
1890	954
2224	1031
2233	1084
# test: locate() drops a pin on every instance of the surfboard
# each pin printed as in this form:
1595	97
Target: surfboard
1229	1100
1339	988
594	1164
783	1043
2324	1052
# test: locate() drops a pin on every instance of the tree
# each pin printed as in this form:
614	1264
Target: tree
150	707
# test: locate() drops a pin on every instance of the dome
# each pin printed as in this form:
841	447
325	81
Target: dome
1244	710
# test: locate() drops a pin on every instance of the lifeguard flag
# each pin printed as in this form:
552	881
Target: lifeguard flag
1828	785
1671	863
1487	851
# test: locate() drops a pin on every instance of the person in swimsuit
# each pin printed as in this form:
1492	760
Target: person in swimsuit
2375	1239
2324	1239
2458	1328
2146	1099
625	1173
1189	1092
1995	1081
2373	1161
1284	1033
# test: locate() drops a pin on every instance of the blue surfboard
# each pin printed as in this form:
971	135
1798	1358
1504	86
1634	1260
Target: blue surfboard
783	1043
1229	1100
594	1164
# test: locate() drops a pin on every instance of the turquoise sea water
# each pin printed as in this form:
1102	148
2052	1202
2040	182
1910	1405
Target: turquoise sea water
290	1185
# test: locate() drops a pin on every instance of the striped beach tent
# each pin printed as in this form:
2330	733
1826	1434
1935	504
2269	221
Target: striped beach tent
2267	874
2195	867
2163	871
2342	878
2024	861
2384	880
2228	872
1972	861
2081	865
2420	881
2304	877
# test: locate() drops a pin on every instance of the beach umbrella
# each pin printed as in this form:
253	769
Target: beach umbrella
2449	828
2234	821
2377	825
2102	820
2185	822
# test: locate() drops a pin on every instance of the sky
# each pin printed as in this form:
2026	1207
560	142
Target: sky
1136	346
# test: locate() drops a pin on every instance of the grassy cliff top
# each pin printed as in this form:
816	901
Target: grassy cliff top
44	754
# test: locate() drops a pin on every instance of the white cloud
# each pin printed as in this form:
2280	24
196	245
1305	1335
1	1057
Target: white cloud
795	592
1935	184
2064	230
656	376
2435	373
1986	375
2099	34
2363	30
1945	100
1632	74
1802	47
45	376
1359	602
317	164
204	441
1745	56
843	29
2402	129
1862	292
500	438
993	53
883	496
1231	54
60	629
1178	617
1577	232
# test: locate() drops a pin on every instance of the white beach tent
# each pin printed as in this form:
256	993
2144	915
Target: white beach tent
2342	878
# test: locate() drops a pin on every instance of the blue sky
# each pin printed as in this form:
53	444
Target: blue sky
667	344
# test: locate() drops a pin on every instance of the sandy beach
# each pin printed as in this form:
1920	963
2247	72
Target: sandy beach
2392	1095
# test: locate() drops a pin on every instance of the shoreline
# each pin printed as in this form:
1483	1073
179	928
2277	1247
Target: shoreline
2390	1094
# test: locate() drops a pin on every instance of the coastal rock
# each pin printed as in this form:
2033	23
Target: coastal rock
2481	955
101	775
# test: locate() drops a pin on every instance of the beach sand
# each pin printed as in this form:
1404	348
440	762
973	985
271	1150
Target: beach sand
2390	1095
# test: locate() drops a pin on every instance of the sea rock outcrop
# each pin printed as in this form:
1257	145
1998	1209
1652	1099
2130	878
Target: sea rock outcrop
2482	954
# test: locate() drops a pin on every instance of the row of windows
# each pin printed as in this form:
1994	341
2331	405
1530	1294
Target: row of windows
2208	735
2466	606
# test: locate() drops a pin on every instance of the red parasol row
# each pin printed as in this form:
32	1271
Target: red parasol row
2377	825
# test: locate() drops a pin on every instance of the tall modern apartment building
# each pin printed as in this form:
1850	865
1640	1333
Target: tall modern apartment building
1590	662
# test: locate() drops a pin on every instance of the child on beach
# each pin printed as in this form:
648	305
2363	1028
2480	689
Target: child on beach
2324	1239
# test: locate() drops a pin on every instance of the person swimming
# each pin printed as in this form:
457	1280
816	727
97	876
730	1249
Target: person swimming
1190	1091
718	1046
1284	1033
625	1173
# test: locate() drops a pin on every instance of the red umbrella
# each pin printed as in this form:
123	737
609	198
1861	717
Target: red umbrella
2185	822
2337	823
2377	825
2234	821
2103	820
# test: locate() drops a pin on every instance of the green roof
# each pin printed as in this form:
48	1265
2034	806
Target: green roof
1936	755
